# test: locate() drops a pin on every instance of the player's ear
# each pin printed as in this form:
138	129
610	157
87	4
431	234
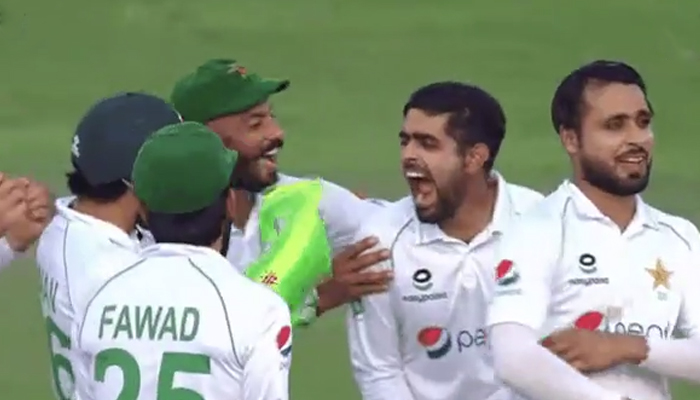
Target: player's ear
475	158
143	212
570	139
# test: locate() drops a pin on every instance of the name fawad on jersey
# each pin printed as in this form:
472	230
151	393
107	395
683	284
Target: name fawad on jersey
149	323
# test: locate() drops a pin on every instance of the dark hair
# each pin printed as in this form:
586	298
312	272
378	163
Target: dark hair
568	102
103	193
475	115
198	228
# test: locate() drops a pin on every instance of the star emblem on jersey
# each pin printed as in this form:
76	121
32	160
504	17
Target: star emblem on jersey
421	279
284	341
506	273
435	340
660	275
270	279
590	321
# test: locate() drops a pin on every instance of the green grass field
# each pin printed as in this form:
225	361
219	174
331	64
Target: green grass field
352	65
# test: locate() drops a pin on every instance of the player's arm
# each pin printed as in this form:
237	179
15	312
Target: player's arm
373	337
267	361
522	293
343	212
680	357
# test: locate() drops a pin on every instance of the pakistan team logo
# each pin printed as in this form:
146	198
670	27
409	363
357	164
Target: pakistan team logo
506	273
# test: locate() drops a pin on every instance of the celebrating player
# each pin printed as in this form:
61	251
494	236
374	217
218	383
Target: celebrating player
98	220
595	291
425	338
233	102
25	210
180	322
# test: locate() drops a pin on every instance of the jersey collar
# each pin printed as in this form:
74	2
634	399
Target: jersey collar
643	217
503	212
115	234
175	249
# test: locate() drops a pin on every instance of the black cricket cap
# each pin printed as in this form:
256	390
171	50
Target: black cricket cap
110	134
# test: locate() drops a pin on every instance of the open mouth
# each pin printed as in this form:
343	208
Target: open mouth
421	186
271	155
636	159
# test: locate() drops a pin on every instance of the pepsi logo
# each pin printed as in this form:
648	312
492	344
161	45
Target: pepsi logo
436	341
506	273
590	321
284	341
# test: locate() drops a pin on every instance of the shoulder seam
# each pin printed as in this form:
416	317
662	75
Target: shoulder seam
223	305
97	293
65	262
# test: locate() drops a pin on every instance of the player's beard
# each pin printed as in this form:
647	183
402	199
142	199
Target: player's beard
248	178
449	197
601	177
249	175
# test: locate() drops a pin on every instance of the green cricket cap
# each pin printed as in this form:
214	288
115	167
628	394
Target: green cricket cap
221	87
182	168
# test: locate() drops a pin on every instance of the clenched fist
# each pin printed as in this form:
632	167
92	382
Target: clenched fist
32	215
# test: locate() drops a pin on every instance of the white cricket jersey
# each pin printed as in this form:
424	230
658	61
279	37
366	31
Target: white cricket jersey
67	252
341	210
425	339
565	264
181	323
7	255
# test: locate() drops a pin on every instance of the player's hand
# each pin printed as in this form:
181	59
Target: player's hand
350	280
37	210
595	351
12	193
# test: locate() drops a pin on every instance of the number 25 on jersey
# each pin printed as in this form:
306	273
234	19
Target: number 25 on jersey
171	364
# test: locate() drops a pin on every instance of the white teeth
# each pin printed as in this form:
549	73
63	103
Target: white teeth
272	152
414	174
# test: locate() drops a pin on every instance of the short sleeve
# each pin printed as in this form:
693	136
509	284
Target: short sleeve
267	361
688	324
522	279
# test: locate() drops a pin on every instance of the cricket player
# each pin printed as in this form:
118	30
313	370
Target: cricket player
25	210
596	291
425	339
98	220
179	322
234	103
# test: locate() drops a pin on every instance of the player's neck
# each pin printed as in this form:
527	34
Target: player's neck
218	244
114	213
620	209
243	207
475	213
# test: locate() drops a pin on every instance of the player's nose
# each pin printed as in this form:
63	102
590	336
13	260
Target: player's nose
643	138
409	152
275	132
